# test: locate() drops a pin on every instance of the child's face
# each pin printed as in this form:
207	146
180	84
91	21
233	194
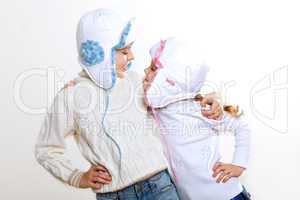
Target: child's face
150	73
123	58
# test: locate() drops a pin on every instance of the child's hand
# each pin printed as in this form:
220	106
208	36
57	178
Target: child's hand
226	171
215	112
95	178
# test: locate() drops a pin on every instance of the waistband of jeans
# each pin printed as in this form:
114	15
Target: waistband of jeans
165	171
140	183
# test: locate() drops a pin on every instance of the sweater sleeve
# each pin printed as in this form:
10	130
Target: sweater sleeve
50	148
242	132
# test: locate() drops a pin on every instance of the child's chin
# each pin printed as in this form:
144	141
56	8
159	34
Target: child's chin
121	74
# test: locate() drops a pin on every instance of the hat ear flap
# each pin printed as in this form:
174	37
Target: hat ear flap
91	53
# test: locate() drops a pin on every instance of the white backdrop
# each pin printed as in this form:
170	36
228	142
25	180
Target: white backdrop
252	47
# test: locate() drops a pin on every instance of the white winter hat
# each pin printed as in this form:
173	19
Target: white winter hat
100	32
180	76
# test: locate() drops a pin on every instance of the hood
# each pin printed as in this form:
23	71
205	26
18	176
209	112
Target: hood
180	76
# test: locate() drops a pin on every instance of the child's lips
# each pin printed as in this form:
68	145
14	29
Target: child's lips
125	68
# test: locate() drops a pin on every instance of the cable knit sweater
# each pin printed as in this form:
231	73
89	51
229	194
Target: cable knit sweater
124	138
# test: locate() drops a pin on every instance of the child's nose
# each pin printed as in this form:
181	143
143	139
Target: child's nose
130	56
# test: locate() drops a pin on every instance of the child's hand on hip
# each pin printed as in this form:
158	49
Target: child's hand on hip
95	178
225	171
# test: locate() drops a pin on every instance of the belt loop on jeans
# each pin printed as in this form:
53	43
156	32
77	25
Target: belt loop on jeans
137	188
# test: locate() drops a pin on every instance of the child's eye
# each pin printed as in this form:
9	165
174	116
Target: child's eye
125	52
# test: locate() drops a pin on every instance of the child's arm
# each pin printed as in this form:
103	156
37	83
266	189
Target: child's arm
242	132
50	147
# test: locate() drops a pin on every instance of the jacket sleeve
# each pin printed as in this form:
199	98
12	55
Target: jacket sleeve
50	146
242	133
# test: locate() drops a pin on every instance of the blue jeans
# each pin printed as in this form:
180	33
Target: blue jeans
242	196
158	187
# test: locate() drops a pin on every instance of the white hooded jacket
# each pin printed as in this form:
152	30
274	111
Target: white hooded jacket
192	141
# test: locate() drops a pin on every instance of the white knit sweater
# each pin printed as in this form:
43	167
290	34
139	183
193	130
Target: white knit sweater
128	145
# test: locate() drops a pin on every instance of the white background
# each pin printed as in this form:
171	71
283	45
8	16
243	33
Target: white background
253	46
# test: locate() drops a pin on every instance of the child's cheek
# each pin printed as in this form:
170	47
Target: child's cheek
125	58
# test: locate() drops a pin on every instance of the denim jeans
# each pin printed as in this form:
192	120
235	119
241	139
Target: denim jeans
242	196
158	187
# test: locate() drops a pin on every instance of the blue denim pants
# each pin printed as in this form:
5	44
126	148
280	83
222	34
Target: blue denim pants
158	187
244	195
